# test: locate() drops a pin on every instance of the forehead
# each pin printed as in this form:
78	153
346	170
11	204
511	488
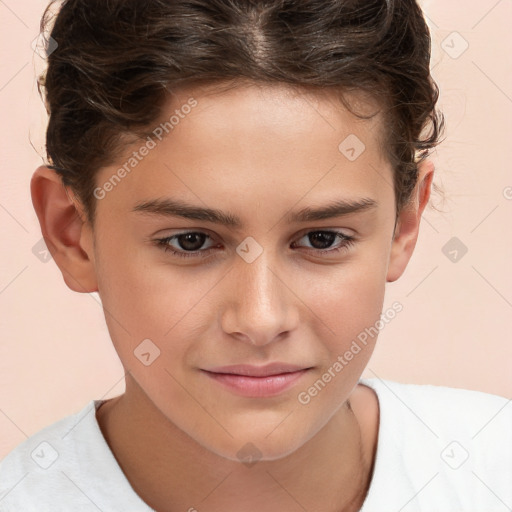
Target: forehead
264	141
277	110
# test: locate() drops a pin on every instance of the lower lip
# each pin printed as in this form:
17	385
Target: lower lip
271	385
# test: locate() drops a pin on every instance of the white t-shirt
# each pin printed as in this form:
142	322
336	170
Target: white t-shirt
439	449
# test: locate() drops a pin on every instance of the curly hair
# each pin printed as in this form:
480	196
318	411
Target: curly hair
117	61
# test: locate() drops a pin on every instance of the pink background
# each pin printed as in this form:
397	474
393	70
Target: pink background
56	354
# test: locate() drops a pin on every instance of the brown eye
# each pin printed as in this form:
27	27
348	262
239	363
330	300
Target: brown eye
320	241
187	244
191	241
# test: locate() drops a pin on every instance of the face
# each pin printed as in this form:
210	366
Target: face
185	294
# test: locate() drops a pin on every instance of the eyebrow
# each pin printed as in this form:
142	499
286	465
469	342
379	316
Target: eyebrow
169	207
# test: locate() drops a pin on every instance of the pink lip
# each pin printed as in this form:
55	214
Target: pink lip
257	381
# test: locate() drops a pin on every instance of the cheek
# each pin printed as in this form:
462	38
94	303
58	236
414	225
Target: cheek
348	297
349	306
348	302
132	294
145	299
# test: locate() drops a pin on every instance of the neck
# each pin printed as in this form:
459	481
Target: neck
171	472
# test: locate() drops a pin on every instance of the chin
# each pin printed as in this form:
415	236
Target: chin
251	447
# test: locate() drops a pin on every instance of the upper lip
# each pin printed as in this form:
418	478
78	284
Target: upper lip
257	371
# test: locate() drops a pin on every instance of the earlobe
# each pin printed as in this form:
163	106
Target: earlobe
65	231
407	229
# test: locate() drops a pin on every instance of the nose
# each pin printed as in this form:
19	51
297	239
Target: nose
260	305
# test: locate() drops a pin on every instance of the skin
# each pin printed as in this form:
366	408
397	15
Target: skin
258	152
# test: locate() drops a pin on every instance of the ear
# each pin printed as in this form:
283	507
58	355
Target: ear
65	230
408	223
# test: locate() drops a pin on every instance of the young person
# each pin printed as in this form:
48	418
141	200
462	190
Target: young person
238	180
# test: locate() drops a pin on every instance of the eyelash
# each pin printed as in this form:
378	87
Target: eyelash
163	243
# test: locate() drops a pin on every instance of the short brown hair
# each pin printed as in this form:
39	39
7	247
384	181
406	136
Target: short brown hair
116	62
